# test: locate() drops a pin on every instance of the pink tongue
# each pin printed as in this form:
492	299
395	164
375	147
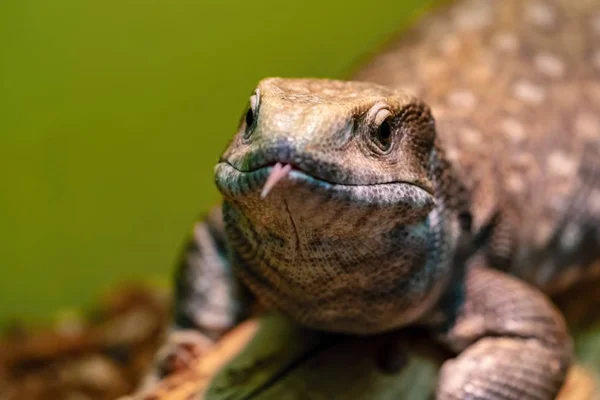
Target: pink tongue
278	172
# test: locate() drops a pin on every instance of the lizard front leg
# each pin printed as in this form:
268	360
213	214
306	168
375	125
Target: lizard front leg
208	299
512	342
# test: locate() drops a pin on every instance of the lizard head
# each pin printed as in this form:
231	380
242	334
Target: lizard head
369	144
330	179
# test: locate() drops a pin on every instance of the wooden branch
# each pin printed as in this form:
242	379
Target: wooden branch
270	358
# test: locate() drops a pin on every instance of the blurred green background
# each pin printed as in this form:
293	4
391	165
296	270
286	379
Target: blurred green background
113	112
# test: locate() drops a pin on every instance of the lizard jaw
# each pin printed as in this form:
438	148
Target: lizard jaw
278	172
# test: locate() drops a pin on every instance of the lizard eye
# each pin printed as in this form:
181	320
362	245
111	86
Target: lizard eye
382	136
250	116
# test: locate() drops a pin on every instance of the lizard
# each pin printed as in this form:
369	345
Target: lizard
453	183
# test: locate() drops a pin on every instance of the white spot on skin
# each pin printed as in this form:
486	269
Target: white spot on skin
514	183
540	14
529	92
549	65
587	125
463	99
560	164
505	42
513	129
437	109
449	44
452	154
470	136
472	15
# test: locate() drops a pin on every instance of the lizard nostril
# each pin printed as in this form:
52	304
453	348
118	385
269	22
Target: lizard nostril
250	122
249	118
284	152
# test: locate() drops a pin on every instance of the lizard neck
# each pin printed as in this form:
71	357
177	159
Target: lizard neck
339	267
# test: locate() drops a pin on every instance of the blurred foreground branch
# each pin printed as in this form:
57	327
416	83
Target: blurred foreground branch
270	358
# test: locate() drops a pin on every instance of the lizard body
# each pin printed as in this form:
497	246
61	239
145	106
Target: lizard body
514	87
351	206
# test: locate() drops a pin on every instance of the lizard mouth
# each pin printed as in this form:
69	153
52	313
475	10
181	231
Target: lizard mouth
235	182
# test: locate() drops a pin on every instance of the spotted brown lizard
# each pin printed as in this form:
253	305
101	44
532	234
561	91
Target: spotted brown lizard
453	184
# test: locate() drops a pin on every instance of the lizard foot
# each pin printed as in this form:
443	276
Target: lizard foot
512	343
181	350
503	368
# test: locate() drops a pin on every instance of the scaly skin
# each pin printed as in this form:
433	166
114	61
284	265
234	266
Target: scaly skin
514	87
373	228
